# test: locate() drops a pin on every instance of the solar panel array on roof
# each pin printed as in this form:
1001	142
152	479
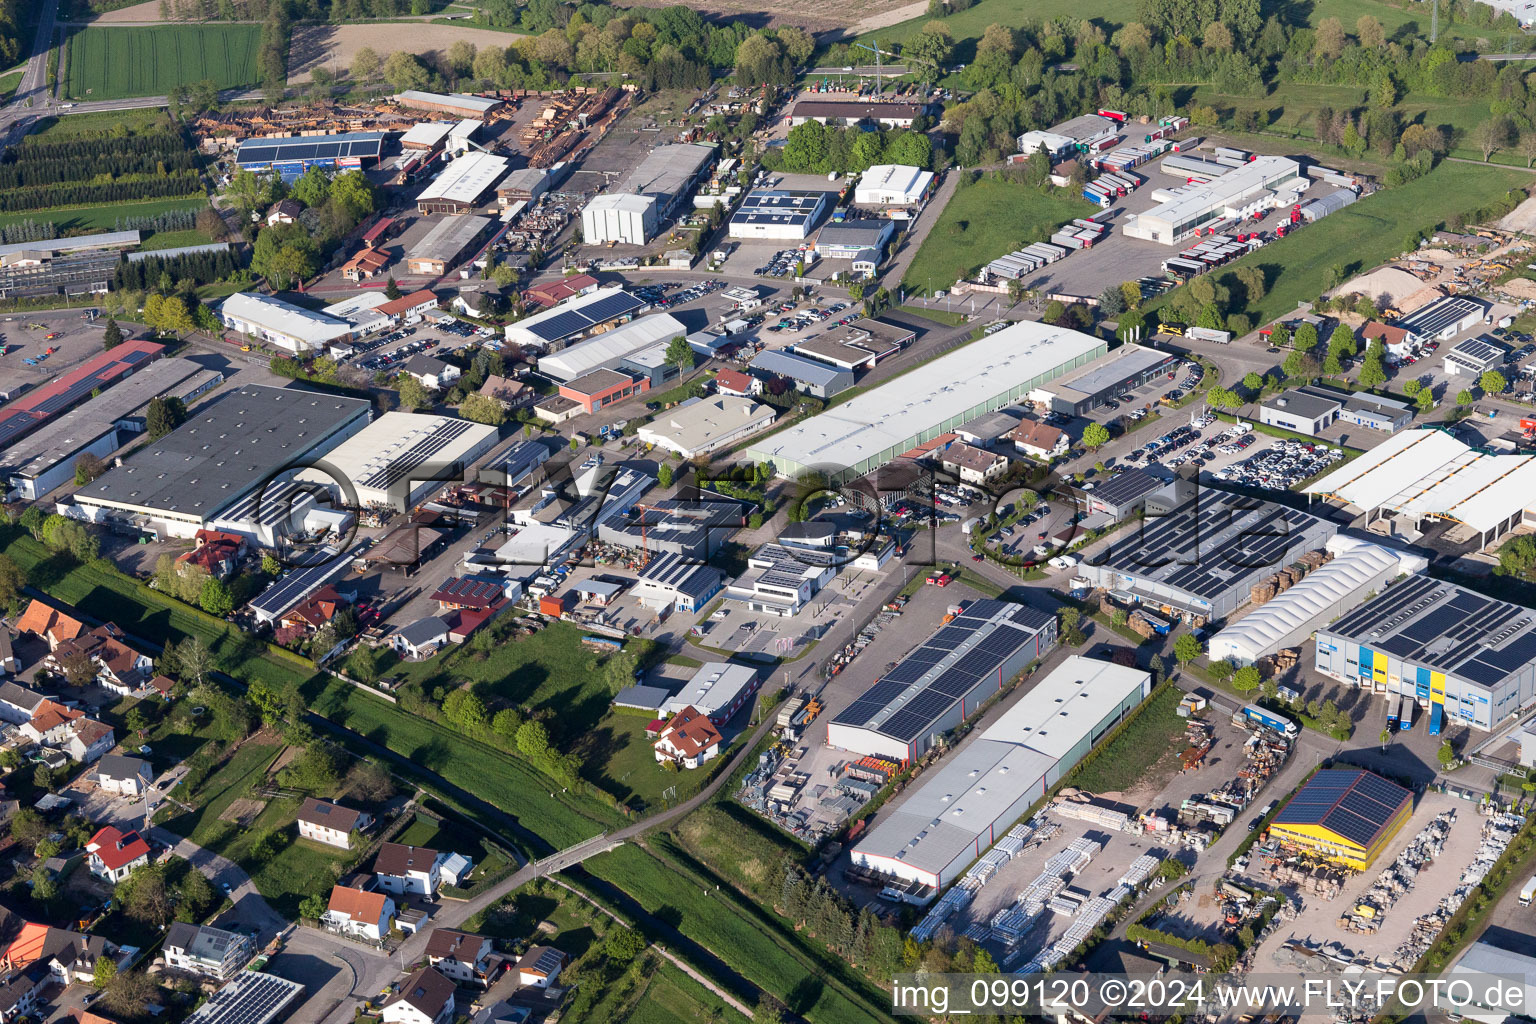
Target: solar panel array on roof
325	147
27	413
1357	805
251	998
569	321
291	589
404	462
921	689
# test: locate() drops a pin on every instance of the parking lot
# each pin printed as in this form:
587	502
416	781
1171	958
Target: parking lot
399	346
73	338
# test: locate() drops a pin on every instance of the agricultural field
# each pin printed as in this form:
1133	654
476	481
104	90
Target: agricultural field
1364	235
115	63
987	219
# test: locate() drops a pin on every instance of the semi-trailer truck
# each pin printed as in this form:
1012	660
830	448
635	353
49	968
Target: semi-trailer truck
1270	720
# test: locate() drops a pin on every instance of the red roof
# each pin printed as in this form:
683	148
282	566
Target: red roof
373	233
690	732
39	618
733	380
406	303
117	849
470	592
69	389
366	907
51	714
552	293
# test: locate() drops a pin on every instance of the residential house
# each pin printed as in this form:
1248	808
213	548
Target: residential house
1039	440
115	854
125	776
317	610
284	211
403	869
217	553
688	739
540	966
331	824
1395	340
433	373
408	309
21	992
738	384
359	913
461	956
973	465
366	265
512	394
421	639
203	949
9	664
119	668
52	625
67	730
67	956
18	703
426	997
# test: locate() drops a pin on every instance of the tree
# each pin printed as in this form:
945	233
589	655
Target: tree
680	354
193	660
1246	679
1465	397
1446	755
1295	362
533	739
127	994
664	474
312	907
1095	436
13	580
1370	32
112	336
413	393
1253	382
620	671
1424	401
1187	648
365	64
403	71
1111	302
1131	292
1372	375
391	290
1328	39
144	895
1492	382
622	946
216	598
483	409
104	972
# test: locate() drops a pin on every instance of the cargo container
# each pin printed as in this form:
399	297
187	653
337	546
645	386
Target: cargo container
1436	718
1394	706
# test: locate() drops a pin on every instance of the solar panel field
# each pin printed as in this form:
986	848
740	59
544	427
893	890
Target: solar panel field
116	63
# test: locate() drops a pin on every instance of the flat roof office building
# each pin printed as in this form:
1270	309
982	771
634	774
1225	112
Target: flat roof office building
1199	551
1437	643
976	794
1129	366
781	215
942	681
867	431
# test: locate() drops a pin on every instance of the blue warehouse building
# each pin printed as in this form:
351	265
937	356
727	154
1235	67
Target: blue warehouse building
291	157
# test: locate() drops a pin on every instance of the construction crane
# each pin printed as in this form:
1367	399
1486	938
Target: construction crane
875	49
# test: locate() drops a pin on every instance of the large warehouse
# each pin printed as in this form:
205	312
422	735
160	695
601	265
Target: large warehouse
46	460
634	211
1200	550
1344	816
780	215
291	328
580	315
982	789
1129	366
875	427
1426	474
702	425
892	185
291	157
1358	568
1237	193
609	349
400	458
463	184
44	404
235	445
446	245
1437	643
943	680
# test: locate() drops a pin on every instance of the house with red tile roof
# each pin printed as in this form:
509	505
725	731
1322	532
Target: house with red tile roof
217	553
315	611
688	739
738	384
119	668
359	913
49	623
68	730
115	853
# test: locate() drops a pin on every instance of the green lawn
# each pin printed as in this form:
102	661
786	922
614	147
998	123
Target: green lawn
671	997
105	218
1371	231
99	124
8	85
175	239
113	63
983	221
298	869
1136	748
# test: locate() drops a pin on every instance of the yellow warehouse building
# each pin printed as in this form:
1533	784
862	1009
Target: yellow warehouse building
1344	816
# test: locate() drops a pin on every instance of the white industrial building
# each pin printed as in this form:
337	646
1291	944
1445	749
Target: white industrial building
875	427
291	328
892	185
462	184
1065	138
1358	568
978	792
717	690
578	315
609	349
1442	320
619	217
1261	184
1485	969
400	458
702	425
1421	475
781	215
634	211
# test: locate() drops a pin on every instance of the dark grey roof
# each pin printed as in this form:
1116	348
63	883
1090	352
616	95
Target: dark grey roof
229	447
180	935
425	365
684	575
20	696
1357	805
1126	487
1479	350
866	233
649	698
813	530
1446	628
116	766
1308	402
424	630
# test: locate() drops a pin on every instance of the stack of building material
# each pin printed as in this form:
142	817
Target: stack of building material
1140	870
1109	818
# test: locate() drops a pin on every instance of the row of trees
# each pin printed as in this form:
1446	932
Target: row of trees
162	272
89	159
814	148
172	184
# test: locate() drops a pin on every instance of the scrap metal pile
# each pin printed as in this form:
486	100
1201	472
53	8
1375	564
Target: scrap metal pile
1397	878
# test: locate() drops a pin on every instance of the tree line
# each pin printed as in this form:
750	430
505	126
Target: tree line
814	148
44	197
89	159
154	271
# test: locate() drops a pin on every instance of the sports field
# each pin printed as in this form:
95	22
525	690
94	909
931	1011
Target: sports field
115	63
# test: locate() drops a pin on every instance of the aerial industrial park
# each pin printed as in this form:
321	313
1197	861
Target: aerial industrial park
536	512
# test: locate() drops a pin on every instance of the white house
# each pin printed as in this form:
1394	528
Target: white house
331	824
973	465
455	869
461	956
403	869
433	373
203	949
420	639
426	997
115	854
17	703
361	914
688	739
125	776
540	966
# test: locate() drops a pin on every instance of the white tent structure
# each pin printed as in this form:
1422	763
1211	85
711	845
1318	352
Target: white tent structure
1428	474
1358	567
